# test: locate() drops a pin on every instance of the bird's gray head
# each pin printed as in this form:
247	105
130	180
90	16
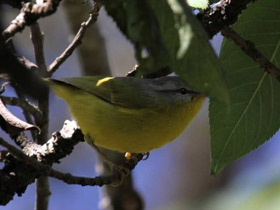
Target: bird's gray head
171	90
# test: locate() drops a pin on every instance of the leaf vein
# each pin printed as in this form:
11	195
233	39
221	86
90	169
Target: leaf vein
242	85
239	120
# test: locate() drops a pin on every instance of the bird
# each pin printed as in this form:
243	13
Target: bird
128	114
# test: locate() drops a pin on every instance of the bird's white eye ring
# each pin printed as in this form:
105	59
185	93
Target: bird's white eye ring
183	91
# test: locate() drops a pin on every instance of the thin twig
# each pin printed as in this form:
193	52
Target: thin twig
76	41
25	113
93	41
37	38
25	105
42	183
29	14
249	48
100	180
83	181
28	64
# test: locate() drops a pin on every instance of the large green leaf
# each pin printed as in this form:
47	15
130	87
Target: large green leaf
254	114
172	37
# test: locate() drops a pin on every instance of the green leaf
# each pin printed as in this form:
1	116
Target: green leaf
254	114
200	4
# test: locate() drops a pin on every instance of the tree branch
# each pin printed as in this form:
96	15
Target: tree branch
249	48
37	38
29	14
16	175
76	41
59	146
224	13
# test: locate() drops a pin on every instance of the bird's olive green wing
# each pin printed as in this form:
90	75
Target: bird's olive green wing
124	92
88	84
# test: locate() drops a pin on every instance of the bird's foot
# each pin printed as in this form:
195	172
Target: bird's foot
146	155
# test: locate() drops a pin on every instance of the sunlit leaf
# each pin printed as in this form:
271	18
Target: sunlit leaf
200	4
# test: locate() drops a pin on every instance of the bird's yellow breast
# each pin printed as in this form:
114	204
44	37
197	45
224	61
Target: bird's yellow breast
128	130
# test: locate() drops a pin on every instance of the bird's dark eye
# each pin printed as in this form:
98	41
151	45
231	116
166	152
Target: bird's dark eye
183	91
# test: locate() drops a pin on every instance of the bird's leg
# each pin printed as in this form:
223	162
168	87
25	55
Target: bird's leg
123	171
